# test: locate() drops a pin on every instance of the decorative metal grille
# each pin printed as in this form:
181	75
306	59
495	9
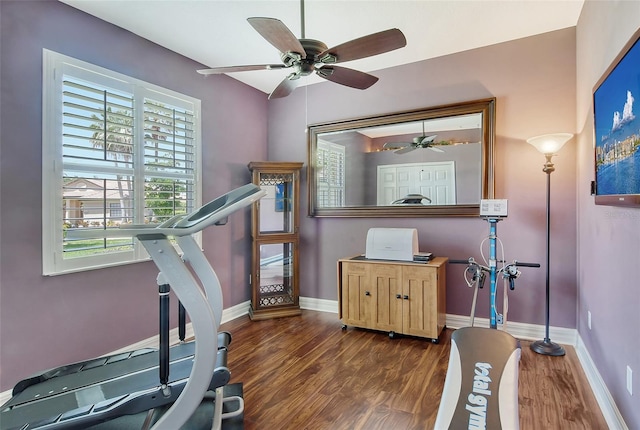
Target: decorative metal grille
268	289
275	295
275	178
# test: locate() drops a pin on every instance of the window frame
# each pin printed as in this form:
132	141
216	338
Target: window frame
55	66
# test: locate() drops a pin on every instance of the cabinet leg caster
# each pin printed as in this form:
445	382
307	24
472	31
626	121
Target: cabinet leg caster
436	340
392	334
344	327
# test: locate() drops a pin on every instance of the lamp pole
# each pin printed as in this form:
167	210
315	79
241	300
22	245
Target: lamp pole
548	144
546	347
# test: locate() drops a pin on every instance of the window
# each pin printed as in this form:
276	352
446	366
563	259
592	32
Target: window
331	172
116	151
115	212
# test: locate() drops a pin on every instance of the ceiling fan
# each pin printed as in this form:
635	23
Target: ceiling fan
305	56
423	141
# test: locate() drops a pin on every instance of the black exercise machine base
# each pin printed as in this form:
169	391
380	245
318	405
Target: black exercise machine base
79	395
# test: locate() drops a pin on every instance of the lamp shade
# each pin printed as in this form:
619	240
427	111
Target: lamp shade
550	143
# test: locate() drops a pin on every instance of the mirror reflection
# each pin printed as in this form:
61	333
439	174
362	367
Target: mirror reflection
430	162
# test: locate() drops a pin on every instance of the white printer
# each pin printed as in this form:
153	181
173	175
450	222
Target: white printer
392	244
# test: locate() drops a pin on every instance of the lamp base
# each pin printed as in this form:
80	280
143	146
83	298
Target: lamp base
546	347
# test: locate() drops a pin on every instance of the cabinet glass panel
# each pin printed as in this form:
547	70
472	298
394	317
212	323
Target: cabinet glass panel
276	275
276	208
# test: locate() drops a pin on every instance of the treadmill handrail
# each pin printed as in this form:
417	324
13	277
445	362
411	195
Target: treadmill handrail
182	225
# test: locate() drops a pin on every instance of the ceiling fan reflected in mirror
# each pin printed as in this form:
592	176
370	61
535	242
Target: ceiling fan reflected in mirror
305	56
422	141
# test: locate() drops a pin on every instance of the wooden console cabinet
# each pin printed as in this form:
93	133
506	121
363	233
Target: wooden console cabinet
393	296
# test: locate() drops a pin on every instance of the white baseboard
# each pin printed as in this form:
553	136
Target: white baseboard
320	305
607	405
236	311
228	314
154	341
519	330
566	336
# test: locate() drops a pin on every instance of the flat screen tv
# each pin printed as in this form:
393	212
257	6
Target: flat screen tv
616	98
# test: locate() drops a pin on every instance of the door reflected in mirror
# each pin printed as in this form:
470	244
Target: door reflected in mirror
431	162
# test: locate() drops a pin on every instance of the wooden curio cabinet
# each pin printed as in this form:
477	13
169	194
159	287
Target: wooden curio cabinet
275	290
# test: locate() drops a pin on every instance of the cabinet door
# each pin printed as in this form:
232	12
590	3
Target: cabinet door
356	294
274	281
420	298
386	310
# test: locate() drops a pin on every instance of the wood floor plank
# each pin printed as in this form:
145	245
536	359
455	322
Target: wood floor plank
304	372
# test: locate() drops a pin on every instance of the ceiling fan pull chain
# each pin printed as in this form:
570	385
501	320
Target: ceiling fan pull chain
302	36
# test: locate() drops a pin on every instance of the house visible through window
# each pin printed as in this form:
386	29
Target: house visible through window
115	211
116	151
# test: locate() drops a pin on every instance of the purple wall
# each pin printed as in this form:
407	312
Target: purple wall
49	321
533	80
44	320
608	236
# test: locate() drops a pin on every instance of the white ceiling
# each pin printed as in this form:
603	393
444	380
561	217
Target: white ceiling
216	33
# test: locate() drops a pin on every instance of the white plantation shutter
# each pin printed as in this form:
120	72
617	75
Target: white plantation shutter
115	151
331	174
97	125
169	159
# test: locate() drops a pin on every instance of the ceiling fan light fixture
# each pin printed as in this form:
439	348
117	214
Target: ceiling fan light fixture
327	59
324	72
290	58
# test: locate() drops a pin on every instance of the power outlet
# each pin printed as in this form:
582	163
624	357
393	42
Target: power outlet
629	380
589	319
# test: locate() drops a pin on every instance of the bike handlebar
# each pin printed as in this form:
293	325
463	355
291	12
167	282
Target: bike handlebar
459	261
521	264
517	263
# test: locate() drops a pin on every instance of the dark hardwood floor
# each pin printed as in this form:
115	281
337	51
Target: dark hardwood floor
306	373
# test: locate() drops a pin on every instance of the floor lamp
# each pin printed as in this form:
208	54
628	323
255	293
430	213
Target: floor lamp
549	145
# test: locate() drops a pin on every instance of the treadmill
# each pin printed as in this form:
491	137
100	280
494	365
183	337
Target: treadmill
91	392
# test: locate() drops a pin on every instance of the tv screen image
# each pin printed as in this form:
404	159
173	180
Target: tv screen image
617	130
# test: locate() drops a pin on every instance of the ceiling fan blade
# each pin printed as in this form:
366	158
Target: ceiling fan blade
436	149
366	46
284	88
231	69
395	145
405	150
277	34
349	77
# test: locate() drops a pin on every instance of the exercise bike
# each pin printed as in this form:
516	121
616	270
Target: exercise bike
481	385
475	273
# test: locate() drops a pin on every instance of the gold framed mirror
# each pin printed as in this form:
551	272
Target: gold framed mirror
432	162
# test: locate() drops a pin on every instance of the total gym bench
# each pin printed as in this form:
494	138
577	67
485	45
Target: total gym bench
100	391
481	385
